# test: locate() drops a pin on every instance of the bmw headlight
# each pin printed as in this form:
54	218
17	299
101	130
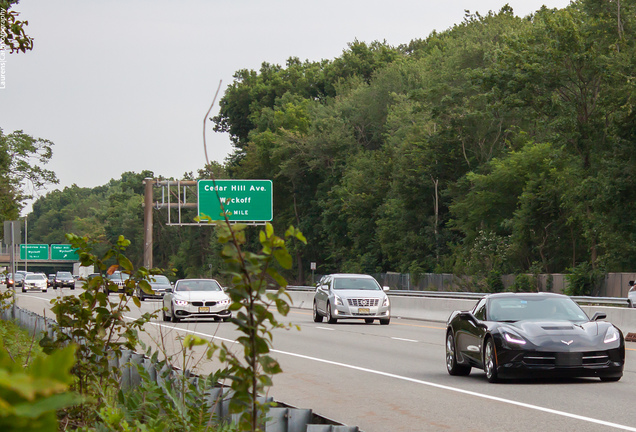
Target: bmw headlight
513	338
611	335
338	300
181	302
224	302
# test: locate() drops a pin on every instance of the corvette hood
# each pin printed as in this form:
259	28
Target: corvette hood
200	295
562	335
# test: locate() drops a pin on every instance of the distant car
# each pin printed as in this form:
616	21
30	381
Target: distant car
512	335
50	280
160	286
64	279
18	280
34	282
631	295
119	279
351	296
196	298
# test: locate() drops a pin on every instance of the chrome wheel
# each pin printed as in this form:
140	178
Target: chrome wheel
317	316
330	317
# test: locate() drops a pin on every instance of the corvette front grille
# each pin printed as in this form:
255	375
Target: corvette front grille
566	359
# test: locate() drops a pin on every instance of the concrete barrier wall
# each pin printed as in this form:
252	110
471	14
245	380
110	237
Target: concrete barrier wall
439	309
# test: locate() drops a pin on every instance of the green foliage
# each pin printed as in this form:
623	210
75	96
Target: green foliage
583	280
252	274
524	283
31	395
178	404
96	324
21	161
494	281
399	158
13	29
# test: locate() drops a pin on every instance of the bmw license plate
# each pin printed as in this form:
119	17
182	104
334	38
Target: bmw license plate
364	311
204	309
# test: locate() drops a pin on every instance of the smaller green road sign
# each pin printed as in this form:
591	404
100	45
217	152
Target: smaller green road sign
64	252
243	200
34	252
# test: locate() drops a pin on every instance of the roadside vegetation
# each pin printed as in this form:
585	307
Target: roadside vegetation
503	145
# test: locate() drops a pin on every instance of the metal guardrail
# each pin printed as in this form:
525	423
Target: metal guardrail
614	301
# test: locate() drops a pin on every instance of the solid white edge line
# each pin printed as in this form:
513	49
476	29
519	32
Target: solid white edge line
325	328
430	384
402	339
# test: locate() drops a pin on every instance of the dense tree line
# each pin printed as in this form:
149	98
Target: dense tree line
502	145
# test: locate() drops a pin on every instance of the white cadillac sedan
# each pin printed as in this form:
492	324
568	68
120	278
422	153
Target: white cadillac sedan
196	298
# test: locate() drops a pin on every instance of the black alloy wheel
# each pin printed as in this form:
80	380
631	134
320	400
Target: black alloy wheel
490	361
452	366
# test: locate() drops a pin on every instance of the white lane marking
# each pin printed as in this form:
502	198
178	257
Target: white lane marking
325	328
402	339
430	384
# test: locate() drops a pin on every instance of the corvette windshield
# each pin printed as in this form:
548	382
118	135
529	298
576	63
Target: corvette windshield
518	308
355	284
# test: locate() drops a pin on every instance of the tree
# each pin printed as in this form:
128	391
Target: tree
21	171
13	34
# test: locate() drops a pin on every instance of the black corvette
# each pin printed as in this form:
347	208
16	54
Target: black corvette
533	334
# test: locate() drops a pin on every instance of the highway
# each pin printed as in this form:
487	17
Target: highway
393	378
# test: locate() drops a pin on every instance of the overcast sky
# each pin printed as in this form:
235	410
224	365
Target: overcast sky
123	85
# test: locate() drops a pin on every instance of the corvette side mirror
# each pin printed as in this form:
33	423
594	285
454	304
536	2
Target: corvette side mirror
599	316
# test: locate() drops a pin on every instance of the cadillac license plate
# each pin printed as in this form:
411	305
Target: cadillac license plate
364	311
204	309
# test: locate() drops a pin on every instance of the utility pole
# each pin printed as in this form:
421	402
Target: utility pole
148	242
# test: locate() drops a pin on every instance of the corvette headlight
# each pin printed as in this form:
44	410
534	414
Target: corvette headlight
611	335
338	300
513	338
181	302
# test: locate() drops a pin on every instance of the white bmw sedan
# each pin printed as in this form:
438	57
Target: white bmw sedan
34	281
196	298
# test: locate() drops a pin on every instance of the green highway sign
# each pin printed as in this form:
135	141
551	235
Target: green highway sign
239	200
64	252
34	252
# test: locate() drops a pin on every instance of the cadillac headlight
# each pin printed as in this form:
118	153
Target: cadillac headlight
338	300
386	301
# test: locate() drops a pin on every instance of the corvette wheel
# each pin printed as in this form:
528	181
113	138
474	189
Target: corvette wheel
490	362
452	366
330	318
317	316
610	379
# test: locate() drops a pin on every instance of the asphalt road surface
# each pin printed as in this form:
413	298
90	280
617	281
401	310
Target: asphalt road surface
393	378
